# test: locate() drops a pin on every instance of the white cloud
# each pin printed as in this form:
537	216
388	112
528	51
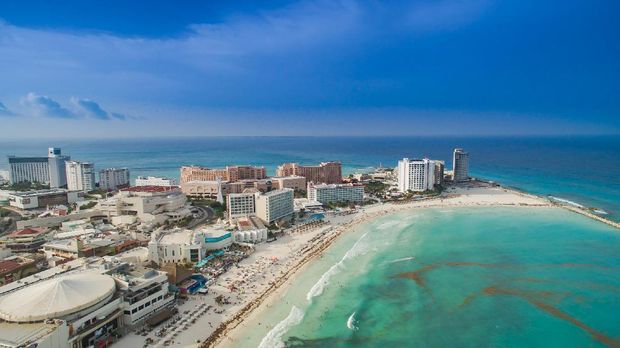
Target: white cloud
45	106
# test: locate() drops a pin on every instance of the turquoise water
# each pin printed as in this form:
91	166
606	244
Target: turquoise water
464	277
581	169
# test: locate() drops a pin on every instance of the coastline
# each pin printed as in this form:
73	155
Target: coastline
228	332
261	280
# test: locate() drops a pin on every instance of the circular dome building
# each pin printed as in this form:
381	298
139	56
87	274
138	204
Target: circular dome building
64	297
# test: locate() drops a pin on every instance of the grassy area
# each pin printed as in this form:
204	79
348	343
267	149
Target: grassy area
89	205
25	186
376	188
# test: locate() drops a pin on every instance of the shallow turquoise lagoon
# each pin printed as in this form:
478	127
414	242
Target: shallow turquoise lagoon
459	277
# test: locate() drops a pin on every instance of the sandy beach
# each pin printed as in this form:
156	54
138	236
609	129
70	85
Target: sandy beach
229	331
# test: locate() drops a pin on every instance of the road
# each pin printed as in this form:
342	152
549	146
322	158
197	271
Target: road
204	214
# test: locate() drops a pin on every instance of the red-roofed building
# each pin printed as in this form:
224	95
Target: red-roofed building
26	240
17	268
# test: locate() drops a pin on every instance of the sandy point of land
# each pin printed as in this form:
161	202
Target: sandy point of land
231	331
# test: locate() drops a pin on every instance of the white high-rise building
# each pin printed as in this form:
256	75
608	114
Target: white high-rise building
57	167
240	205
32	169
155	181
416	175
275	205
113	178
460	165
80	176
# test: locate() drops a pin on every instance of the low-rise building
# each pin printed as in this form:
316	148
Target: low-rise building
155	181
144	292
336	193
14	268
148	203
186	246
27	240
275	205
43	198
250	230
210	189
82	303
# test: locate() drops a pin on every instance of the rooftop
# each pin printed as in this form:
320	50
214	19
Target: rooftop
56	297
149	188
277	192
40	192
28	231
177	237
8	265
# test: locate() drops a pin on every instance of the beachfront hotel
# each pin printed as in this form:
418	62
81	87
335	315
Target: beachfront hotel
275	205
80	176
460	165
336	193
155	181
230	173
49	170
240	205
416	175
324	173
113	178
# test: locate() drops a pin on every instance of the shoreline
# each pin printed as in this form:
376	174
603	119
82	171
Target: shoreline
462	198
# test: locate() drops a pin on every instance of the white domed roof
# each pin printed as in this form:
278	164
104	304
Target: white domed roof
56	297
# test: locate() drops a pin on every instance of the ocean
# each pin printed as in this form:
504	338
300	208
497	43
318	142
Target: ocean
457	277
585	170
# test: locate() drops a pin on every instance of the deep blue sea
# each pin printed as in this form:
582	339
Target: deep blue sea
582	169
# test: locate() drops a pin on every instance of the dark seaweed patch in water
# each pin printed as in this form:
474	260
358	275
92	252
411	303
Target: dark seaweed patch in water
534	299
540	299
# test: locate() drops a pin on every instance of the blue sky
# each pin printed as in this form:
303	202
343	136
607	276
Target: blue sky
119	68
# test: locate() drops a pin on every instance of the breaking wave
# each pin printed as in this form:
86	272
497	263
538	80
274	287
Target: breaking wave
357	249
274	337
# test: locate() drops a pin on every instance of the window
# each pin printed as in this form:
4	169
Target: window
133	311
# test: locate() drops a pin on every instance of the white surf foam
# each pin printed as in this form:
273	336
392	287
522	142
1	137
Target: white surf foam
274	337
562	200
358	248
351	322
403	259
